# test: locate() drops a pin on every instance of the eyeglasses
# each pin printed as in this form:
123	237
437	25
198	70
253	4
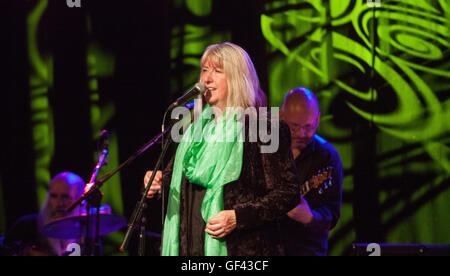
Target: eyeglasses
306	128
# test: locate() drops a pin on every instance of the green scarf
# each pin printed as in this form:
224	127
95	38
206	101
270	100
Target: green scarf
209	154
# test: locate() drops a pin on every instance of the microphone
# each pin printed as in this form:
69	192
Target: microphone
102	161
198	89
104	139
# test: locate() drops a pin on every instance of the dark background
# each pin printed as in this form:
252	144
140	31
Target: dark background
145	78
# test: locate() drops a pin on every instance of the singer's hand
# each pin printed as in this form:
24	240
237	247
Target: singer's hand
156	185
221	224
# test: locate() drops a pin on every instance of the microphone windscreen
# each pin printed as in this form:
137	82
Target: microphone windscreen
201	87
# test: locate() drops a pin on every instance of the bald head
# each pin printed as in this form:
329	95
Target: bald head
301	100
301	111
70	180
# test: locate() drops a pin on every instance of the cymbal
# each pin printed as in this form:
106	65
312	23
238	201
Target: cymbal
73	227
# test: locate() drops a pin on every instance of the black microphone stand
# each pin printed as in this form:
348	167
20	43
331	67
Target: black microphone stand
94	194
93	201
138	216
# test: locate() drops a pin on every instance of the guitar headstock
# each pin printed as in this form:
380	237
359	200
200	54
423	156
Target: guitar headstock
322	180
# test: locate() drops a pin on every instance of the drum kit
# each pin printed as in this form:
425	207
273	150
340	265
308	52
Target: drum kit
89	226
74	227
85	229
78	241
97	221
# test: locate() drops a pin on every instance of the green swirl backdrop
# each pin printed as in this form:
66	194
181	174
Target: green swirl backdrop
381	74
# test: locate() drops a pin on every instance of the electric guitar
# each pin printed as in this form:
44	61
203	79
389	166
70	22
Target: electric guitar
321	181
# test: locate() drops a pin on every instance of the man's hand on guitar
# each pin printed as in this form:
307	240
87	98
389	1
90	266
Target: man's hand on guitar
302	213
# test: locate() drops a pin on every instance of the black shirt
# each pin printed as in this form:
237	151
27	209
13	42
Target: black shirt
312	239
196	225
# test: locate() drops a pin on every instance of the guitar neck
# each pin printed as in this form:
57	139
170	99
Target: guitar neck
305	188
316	181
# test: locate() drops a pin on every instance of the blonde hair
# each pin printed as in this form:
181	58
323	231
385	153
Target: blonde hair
243	83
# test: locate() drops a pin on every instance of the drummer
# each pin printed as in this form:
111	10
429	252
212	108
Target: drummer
25	237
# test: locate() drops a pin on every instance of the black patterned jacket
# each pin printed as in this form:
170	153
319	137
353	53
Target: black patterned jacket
267	189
